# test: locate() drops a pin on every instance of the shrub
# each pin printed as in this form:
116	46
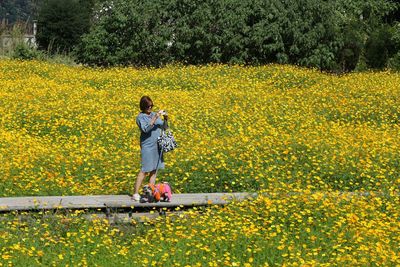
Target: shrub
61	24
24	52
394	62
378	47
328	35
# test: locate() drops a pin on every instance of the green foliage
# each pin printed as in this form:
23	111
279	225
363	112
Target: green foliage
17	48
335	35
377	48
15	10
65	59
134	32
61	24
352	37
328	35
361	64
394	62
24	52
312	34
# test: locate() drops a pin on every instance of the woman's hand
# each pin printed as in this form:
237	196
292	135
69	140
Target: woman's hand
161	112
158	114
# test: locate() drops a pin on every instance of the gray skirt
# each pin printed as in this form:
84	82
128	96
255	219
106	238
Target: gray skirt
150	158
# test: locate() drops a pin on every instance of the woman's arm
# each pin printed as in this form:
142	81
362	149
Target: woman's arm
145	125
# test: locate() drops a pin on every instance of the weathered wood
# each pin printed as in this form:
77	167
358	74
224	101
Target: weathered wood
114	201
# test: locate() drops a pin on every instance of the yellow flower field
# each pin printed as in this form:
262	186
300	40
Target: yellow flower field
302	137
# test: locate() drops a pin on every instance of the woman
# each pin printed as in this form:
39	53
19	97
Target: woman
150	125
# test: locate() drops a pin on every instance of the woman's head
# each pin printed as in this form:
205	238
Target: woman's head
146	104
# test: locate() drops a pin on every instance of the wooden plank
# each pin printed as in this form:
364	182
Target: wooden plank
125	201
113	201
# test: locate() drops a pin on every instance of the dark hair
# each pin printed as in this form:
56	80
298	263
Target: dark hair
145	102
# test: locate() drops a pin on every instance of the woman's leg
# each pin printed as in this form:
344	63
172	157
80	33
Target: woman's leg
153	177
139	181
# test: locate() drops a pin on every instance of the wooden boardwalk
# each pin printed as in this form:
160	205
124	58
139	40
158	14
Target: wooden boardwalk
104	202
9	204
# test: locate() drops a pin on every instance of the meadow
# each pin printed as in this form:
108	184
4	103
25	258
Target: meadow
305	139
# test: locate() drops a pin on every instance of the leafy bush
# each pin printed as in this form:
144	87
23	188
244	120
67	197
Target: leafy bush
61	24
326	35
24	52
376	50
394	62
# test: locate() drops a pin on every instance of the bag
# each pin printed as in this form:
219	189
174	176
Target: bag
166	141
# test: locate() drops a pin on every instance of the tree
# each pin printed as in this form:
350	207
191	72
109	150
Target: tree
379	47
362	20
61	23
16	10
329	35
127	33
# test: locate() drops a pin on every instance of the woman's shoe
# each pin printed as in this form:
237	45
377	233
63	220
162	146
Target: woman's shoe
136	197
